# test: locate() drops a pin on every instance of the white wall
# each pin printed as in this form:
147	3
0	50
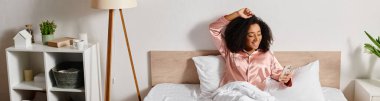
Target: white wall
298	25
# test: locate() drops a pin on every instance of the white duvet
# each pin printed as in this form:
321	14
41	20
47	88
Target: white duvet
191	92
240	91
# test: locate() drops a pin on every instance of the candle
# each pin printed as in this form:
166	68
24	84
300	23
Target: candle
83	36
28	75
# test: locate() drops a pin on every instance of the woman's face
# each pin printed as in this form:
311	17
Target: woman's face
253	38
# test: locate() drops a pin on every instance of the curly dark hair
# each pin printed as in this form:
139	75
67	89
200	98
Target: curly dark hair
237	31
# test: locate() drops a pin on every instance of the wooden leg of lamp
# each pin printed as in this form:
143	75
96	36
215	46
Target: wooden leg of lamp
109	54
130	55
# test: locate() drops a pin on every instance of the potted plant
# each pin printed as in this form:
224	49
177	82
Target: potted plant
47	30
372	49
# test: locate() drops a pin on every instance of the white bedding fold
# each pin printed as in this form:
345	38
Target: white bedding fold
240	91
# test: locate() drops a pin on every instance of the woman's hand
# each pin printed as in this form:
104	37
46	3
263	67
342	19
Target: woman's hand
286	77
244	13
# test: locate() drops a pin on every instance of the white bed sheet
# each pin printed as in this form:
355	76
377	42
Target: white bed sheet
190	92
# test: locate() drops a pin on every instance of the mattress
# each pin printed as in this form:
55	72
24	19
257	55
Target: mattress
190	92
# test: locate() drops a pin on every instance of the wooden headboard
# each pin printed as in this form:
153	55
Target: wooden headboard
178	67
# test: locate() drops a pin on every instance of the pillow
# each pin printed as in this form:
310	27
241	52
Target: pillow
306	85
210	70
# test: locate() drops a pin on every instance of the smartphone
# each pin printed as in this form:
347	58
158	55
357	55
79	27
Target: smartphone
287	70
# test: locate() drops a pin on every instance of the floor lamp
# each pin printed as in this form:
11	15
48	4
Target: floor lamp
111	5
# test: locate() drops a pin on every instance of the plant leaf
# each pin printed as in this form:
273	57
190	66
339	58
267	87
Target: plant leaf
369	47
372	49
373	40
377	53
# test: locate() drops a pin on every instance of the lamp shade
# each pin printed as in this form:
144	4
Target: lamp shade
113	4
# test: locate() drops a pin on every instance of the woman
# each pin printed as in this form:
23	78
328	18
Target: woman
244	44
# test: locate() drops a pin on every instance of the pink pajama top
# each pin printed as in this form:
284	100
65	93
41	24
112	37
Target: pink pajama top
254	68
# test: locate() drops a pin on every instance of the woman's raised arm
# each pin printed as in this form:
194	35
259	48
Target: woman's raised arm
244	13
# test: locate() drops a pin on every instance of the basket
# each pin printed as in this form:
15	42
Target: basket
68	75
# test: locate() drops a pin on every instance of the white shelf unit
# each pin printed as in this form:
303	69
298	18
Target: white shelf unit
41	59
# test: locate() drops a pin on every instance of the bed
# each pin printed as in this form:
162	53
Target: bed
174	76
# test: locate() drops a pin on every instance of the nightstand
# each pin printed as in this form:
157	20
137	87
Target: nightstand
367	90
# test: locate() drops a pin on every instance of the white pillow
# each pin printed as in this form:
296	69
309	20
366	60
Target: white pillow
210	70
305	85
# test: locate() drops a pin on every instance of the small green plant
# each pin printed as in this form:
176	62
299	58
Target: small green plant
370	47
47	28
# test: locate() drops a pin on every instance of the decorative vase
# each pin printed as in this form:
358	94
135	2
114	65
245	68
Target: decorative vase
46	38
